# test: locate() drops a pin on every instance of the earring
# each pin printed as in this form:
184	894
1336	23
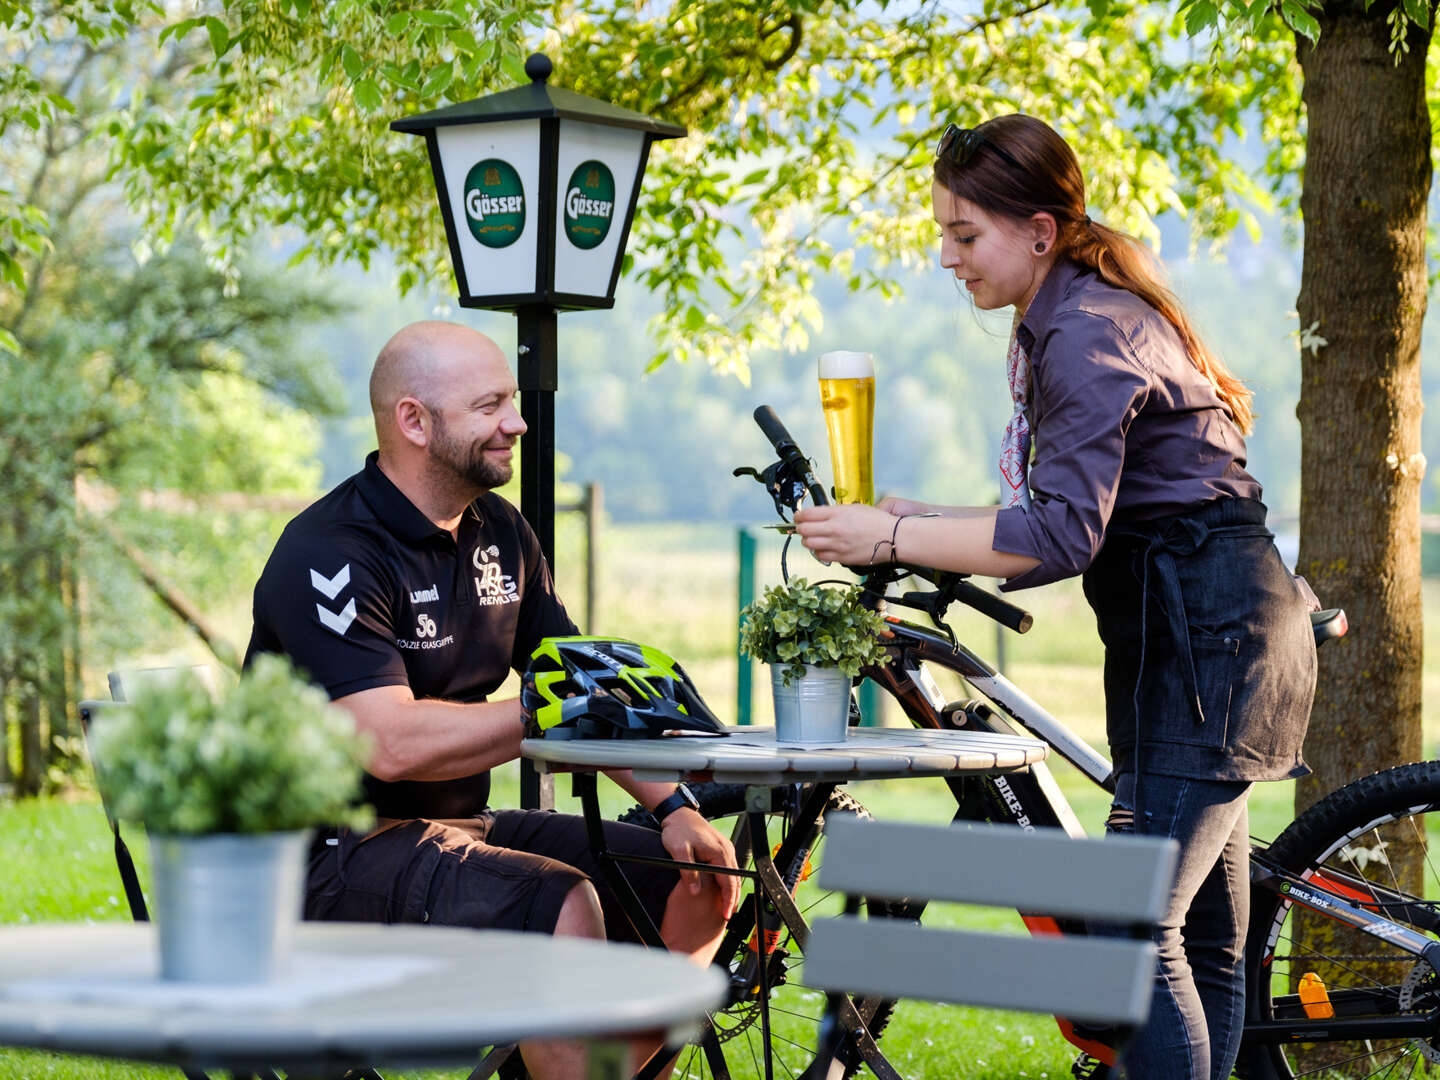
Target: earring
1040	247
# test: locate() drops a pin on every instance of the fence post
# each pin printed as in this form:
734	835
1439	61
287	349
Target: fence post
872	704
594	508
744	679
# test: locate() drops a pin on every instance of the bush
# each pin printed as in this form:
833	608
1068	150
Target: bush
799	623
273	755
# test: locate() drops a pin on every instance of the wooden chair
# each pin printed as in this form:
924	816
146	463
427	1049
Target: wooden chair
1103	982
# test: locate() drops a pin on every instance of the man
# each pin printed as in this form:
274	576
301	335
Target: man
409	592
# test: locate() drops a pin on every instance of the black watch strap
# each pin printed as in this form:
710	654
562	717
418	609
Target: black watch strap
683	797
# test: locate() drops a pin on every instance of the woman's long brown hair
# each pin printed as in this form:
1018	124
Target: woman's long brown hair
1051	182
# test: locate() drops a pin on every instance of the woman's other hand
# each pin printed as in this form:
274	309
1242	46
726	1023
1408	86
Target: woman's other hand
852	535
893	504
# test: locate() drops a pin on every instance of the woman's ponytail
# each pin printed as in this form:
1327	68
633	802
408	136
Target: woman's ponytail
1124	262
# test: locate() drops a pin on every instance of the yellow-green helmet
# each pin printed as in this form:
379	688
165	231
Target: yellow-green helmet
609	688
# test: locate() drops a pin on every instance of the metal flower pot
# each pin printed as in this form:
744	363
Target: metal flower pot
814	710
226	905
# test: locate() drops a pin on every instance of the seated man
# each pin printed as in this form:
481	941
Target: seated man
409	592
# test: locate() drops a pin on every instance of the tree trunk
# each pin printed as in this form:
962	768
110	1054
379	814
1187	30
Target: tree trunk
1363	289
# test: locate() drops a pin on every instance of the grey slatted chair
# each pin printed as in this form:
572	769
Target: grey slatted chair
1097	981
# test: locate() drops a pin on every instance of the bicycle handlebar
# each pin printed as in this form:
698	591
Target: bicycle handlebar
789	453
1002	611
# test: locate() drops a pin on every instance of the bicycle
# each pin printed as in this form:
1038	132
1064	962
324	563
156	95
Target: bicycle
1361	1000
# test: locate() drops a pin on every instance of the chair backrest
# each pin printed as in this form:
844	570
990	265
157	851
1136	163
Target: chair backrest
1094	980
128	680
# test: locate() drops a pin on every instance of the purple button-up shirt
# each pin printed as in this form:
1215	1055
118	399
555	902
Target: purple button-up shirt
1124	426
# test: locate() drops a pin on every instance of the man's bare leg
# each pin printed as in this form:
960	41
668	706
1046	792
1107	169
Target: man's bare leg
554	1059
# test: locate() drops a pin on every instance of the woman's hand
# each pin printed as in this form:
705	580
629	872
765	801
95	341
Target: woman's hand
893	504
852	535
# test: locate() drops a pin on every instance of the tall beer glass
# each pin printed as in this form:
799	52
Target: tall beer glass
847	396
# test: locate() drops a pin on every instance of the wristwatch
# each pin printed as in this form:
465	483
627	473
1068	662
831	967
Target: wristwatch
683	797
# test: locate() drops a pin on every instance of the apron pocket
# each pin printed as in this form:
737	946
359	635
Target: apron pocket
1167	715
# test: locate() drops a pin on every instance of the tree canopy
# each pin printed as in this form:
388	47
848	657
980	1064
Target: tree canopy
811	128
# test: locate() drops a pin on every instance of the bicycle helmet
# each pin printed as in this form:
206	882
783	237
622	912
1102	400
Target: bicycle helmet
609	688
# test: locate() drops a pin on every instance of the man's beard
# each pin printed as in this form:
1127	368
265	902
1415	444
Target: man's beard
467	463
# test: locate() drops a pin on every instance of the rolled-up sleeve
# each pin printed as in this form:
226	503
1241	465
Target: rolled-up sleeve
1089	384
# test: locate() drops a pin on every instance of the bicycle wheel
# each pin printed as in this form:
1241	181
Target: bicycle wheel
795	1010
1372	835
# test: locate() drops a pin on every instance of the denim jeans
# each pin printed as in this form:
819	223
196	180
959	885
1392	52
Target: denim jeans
1197	1012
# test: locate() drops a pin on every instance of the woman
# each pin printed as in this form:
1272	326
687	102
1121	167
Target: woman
1138	481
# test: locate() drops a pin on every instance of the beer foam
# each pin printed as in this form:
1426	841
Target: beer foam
847	365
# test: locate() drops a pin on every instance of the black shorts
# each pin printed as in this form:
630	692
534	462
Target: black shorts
504	869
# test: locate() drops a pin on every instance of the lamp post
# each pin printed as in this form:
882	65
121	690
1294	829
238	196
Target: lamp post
537	186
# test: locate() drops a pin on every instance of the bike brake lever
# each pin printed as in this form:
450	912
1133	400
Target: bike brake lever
785	490
931	604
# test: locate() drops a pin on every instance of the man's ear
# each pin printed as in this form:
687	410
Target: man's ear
1043	231
412	420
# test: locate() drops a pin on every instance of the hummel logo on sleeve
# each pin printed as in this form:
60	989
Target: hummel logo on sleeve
339	622
330	586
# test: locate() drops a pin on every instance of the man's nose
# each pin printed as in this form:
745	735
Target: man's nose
513	423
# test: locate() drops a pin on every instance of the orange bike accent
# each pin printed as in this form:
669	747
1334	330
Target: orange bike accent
1315	998
1045	926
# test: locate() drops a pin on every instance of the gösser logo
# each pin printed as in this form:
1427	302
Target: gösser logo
494	203
589	204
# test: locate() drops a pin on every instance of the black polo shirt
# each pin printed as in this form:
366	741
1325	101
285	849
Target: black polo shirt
363	590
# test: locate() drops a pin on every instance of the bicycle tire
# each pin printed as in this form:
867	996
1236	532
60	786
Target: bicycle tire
1351	831
717	802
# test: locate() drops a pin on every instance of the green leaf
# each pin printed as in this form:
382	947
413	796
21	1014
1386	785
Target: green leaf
219	35
368	96
437	81
1300	20
397	23
1200	16
350	60
1419	12
434	18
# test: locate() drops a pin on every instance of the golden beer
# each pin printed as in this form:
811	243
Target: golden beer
847	396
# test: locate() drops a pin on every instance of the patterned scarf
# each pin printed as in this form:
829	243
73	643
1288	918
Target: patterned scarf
1015	448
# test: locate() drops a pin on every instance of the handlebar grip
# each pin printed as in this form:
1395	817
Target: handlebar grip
773	429
789	453
1002	611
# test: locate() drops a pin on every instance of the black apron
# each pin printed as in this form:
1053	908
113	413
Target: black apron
1213	674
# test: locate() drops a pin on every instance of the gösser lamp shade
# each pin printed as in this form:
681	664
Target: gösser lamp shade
538	187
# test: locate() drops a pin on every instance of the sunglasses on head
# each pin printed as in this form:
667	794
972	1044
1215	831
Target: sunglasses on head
961	144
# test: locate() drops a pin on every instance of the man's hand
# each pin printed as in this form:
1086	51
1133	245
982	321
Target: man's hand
688	837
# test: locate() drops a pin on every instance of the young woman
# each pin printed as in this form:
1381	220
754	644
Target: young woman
1137	480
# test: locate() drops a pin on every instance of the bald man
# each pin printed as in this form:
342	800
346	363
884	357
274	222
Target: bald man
410	592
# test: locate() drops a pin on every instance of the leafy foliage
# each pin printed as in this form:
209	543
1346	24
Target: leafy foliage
272	755
811	129
798	623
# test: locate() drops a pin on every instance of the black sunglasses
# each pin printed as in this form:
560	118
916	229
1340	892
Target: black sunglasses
961	144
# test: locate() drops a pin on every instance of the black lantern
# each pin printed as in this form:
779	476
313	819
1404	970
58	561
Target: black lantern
538	187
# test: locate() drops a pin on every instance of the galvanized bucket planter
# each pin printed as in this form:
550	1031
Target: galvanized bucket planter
226	905
814	710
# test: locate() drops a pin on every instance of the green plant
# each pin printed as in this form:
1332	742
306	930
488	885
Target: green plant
798	623
271	755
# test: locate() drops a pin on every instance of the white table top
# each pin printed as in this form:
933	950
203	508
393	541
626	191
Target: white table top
434	996
751	755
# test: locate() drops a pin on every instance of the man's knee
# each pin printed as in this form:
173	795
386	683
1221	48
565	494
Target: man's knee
580	914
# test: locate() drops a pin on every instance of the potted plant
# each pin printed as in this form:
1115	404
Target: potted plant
815	639
228	787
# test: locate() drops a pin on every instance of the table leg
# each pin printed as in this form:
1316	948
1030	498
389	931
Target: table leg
614	876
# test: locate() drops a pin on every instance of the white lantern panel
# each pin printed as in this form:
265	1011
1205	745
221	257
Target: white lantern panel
595	178
492	177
